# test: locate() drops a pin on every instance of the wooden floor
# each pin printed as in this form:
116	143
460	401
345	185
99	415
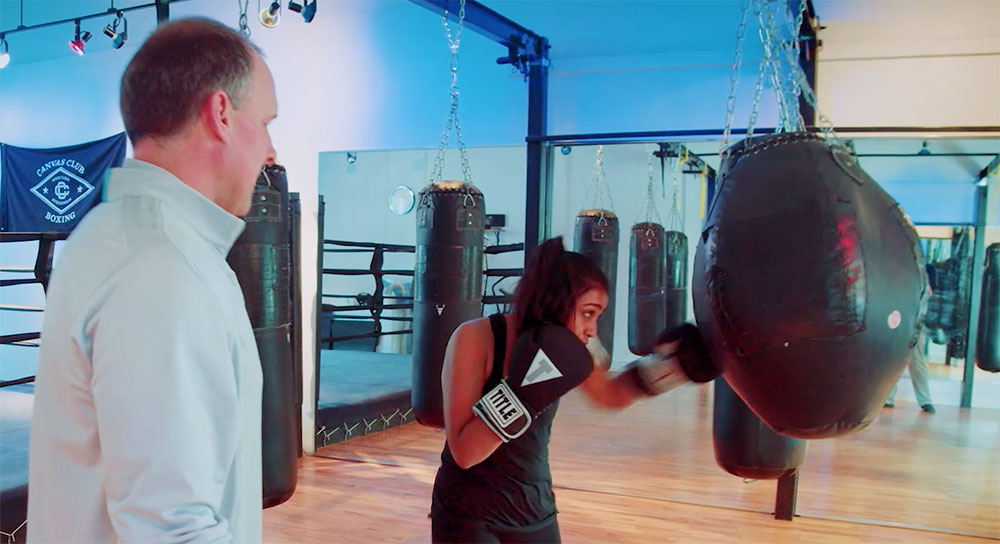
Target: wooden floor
648	474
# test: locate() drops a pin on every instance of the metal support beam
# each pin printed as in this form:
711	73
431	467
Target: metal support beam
809	45
538	186
978	256
523	46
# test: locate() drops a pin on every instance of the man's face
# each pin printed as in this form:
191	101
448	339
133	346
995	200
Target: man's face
250	148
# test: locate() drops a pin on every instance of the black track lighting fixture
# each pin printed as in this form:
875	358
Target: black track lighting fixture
4	52
271	15
118	37
307	9
80	40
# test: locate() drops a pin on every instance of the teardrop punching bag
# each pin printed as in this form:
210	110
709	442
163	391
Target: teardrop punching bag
647	296
261	259
447	284
745	446
677	278
596	236
988	338
809	285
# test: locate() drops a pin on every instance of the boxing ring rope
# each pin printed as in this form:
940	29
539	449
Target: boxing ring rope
41	272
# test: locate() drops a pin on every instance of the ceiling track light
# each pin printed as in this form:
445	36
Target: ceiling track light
79	39
4	52
271	15
118	39
307	9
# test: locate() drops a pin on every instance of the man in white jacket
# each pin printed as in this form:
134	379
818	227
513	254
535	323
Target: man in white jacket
147	419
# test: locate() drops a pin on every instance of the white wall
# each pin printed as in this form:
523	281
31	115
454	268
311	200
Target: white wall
913	63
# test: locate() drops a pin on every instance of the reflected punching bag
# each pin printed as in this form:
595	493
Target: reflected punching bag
745	446
261	259
647	297
988	337
677	278
808	285
447	284
596	236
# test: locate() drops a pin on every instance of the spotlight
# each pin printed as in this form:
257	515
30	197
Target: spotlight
118	39
79	40
4	55
271	15
923	149
308	10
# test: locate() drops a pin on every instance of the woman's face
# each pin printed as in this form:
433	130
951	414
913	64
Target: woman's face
588	307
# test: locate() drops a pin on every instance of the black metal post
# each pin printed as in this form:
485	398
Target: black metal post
808	49
978	255
318	310
295	212
538	186
784	501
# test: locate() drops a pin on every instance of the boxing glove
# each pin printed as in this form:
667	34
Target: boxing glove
680	356
545	364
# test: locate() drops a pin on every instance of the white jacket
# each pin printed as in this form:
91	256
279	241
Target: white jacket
147	418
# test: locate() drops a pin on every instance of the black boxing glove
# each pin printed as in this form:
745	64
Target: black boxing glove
680	356
545	364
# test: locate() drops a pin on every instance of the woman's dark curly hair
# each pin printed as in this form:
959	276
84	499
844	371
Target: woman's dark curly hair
553	279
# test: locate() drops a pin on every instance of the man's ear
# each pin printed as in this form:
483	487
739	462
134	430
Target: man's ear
216	114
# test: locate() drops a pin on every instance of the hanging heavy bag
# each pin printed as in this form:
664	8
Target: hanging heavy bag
808	286
261	259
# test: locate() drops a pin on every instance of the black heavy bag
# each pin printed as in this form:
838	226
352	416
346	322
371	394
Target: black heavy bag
988	338
261	258
596	236
809	285
677	278
647	297
447	284
745	446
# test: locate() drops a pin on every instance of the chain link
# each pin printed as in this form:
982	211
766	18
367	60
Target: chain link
453	122
647	209
734	75
599	189
242	5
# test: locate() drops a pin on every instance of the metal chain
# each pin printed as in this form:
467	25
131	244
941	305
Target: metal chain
767	39
453	44
734	75
243	5
598	189
787	58
648	208
676	222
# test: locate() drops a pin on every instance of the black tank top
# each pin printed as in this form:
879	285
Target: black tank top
511	488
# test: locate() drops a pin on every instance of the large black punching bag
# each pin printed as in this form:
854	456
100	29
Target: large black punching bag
596	236
809	285
677	278
745	446
647	297
261	259
447	284
988	337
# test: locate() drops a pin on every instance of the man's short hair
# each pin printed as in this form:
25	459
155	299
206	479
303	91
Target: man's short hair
175	70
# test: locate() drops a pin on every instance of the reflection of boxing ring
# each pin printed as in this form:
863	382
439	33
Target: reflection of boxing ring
364	340
19	354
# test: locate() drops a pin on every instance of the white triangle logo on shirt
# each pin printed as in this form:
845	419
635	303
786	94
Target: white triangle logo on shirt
541	370
440	308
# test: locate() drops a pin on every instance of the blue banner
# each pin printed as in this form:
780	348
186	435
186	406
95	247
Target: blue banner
50	190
